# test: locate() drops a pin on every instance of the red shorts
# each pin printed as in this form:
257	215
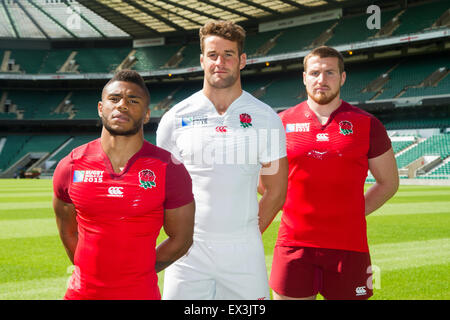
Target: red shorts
300	272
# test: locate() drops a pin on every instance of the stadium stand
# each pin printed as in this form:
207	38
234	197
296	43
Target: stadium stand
435	145
412	76
412	73
421	17
344	32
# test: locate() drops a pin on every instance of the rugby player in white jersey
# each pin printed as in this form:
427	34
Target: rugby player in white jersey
225	137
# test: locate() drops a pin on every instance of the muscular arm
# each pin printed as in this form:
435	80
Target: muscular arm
67	225
273	187
179	227
384	169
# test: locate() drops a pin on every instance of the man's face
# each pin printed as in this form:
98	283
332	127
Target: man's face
322	79
221	62
124	108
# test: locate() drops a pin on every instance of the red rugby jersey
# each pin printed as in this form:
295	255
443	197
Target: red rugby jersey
328	165
119	218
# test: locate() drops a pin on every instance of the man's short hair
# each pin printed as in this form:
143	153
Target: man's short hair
325	52
224	29
132	76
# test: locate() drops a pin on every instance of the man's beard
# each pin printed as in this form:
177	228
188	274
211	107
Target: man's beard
135	129
323	99
224	83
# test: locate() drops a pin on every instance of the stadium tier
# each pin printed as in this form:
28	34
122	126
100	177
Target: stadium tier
377	76
441	171
344	32
379	80
410	76
18	146
414	19
398	146
436	145
421	17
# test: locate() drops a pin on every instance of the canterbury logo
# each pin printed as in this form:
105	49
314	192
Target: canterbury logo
221	129
322	137
115	192
361	291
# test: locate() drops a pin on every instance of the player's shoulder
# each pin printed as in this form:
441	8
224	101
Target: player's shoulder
356	113
289	112
351	109
87	149
250	102
90	148
249	99
149	150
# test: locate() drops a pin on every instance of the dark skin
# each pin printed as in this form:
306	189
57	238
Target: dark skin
124	109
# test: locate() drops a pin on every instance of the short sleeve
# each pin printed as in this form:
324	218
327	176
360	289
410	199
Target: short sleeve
61	179
178	186
273	140
165	135
379	139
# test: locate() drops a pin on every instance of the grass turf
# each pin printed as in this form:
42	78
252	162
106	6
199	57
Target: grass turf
409	239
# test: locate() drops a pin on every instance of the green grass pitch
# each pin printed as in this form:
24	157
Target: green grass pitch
409	238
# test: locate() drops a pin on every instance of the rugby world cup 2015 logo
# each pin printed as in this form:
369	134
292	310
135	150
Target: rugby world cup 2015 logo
246	120
345	127
147	179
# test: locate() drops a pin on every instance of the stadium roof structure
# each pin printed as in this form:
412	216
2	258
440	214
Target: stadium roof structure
138	19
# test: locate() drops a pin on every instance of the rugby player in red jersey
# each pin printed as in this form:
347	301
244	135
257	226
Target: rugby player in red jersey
322	241
113	195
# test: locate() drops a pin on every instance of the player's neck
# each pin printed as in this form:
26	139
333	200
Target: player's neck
323	111
120	149
222	98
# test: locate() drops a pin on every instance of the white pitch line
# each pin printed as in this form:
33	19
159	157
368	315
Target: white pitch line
27	228
25	205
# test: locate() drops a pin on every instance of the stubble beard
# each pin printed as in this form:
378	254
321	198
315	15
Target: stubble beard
223	83
114	132
323	99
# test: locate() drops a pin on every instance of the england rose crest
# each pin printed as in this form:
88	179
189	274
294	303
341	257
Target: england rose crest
246	120
147	179
345	127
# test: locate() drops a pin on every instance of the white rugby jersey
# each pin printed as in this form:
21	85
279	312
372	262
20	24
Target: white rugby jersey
223	154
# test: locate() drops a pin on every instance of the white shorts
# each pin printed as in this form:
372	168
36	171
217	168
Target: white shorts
219	270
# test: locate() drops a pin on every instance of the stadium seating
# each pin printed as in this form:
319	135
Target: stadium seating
38	104
85	103
12	147
54	60
190	56
18	146
441	171
422	123
398	146
154	58
22	57
412	72
434	145
284	92
344	32
290	40
75	141
421	17
100	60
